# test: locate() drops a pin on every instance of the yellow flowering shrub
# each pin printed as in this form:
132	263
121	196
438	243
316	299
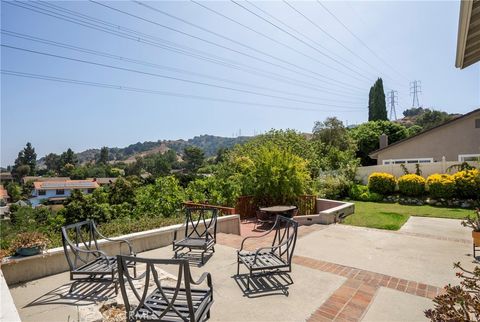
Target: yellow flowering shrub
467	183
411	185
380	182
440	185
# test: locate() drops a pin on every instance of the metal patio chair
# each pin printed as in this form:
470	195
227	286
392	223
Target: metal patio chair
179	302
275	258
200	233
87	262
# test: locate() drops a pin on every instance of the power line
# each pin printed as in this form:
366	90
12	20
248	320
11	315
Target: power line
240	43
148	91
164	76
361	41
225	47
246	68
329	35
297	38
150	64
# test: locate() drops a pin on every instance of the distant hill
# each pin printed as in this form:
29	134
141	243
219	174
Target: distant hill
208	143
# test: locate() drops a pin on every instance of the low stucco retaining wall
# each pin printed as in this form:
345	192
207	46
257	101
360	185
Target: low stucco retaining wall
22	269
327	212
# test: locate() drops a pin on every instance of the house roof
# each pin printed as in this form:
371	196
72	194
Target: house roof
468	40
68	184
43	179
373	154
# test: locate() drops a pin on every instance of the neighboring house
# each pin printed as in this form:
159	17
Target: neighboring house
27	179
6	177
468	41
58	191
455	140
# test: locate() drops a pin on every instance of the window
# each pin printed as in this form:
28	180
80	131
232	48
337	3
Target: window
408	161
89	190
42	192
468	157
477	123
60	192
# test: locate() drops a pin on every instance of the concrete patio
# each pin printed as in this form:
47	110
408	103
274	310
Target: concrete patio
339	273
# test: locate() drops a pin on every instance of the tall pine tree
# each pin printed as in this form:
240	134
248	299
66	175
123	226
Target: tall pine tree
377	107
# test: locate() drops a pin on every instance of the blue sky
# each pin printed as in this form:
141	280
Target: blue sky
309	71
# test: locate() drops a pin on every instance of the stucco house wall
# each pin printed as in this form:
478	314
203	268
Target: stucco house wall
461	136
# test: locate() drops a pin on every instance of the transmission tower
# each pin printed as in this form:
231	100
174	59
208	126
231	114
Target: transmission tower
392	100
415	89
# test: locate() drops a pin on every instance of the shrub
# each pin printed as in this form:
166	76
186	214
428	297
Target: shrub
333	186
411	185
164	198
467	183
361	192
440	186
356	190
380	182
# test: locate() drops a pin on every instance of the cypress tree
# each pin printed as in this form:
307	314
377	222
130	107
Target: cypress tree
377	107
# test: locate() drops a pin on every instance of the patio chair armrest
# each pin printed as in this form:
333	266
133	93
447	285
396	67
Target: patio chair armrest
125	241
89	251
202	278
251	237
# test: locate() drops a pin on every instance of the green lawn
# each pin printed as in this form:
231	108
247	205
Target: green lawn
392	216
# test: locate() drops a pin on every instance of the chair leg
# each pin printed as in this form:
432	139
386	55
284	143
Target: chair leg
248	280
238	267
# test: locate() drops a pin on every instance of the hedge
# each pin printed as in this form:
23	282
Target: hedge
380	182
411	185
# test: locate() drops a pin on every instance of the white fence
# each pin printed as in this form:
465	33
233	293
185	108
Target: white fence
396	169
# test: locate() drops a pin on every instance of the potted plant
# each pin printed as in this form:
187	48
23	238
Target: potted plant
29	243
474	223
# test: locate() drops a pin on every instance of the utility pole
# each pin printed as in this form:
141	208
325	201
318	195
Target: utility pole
415	89
392	101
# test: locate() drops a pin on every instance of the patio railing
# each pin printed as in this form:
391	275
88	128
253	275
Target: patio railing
246	206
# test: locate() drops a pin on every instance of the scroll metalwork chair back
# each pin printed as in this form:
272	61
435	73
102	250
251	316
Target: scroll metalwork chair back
285	239
197	225
78	236
160	301
200	230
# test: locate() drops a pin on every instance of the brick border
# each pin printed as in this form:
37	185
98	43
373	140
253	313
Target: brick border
371	278
351	301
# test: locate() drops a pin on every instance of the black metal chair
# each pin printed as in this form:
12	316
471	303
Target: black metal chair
275	258
87	262
164	303
200	233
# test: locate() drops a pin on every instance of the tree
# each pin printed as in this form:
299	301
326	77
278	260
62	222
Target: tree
52	162
14	191
193	157
414	130
26	162
367	137
377	107
332	133
122	191
414	111
103	157
432	118
68	157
